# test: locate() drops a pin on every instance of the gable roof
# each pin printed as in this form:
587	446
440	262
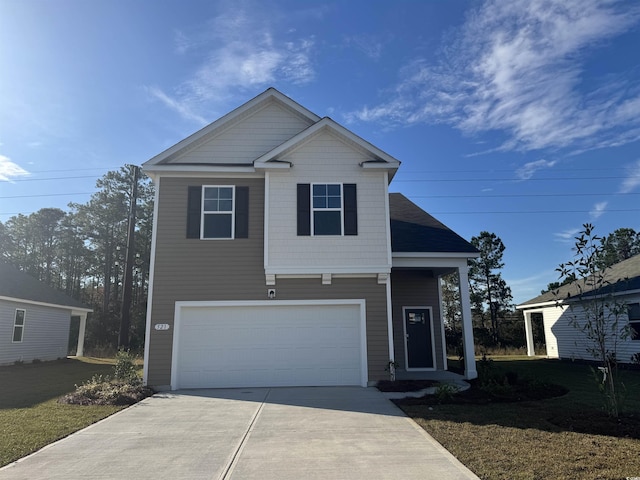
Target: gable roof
17	285
380	159
621	278
164	161
414	230
269	95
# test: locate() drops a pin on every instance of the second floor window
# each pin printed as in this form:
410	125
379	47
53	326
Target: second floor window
327	209
634	320
217	212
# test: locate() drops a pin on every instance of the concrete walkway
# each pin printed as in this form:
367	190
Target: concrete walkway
256	433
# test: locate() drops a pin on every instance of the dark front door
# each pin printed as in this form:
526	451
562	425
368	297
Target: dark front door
418	337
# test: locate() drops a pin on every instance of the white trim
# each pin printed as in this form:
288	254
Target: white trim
75	311
24	324
327	209
152	270
433	343
392	352
547	304
178	169
273	165
456	255
364	372
429	262
267	192
173	173
225	212
387	216
445	362
355	270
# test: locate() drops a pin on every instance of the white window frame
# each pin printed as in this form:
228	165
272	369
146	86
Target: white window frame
226	212
15	325
314	210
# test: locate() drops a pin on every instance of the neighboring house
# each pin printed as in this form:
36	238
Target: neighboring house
280	259
557	310
35	319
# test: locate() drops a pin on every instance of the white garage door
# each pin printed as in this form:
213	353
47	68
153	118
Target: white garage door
218	345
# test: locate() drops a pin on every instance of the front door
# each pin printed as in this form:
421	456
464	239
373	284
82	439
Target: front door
418	333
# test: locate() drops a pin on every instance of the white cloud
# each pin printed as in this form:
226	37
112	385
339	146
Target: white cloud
10	170
240	49
597	210
633	178
518	67
566	236
529	169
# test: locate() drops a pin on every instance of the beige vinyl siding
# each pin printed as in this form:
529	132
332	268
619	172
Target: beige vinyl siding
415	288
192	269
327	158
45	335
249	137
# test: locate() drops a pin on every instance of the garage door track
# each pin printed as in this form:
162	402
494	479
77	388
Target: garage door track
253	433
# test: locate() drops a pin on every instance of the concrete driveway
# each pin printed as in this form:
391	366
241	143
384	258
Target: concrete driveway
253	433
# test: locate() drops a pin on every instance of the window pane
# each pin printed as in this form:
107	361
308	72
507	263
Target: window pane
334	202
225	205
19	317
319	190
17	334
326	223
319	202
211	205
226	193
333	190
211	192
634	328
217	226
634	311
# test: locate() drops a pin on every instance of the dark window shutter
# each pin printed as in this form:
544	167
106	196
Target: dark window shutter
304	209
193	212
242	212
350	209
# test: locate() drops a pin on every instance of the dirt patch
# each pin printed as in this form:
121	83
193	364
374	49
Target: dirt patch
599	423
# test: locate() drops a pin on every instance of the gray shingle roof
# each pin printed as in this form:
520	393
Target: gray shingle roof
622	277
414	230
19	285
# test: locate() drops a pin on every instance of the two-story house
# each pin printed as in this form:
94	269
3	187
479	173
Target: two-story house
279	258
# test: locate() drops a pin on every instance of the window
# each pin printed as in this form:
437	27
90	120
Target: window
218	212
634	320
327	209
18	326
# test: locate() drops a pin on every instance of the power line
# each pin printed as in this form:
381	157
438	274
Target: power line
51	178
511	195
509	179
529	212
49	195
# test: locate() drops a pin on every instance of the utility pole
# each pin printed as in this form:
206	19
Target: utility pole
127	287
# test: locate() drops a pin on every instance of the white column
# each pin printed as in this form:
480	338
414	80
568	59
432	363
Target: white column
470	371
528	331
83	327
392	354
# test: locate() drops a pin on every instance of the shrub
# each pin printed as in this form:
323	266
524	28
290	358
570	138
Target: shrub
125	368
445	392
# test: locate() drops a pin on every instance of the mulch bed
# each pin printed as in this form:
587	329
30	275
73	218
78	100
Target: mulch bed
404	385
599	423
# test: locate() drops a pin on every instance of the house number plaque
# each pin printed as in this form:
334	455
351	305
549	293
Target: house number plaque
161	326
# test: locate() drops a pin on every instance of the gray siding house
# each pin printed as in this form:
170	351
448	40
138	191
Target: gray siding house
556	311
279	258
35	319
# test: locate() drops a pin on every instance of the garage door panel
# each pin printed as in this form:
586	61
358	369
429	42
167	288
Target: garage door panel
274	345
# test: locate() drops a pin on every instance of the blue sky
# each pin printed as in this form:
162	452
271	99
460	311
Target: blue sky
521	118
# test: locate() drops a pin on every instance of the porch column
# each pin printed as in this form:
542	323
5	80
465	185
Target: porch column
83	327
470	371
528	331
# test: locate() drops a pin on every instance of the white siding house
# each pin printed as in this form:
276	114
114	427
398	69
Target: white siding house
35	319
563	313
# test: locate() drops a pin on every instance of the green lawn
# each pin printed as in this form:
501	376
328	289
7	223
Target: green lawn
30	416
539	439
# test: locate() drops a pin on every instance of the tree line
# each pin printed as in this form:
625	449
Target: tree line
82	251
